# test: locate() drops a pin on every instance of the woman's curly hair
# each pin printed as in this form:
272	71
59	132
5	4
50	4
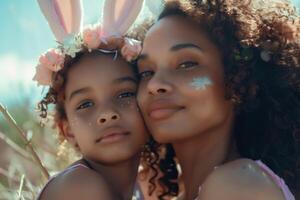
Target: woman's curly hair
260	45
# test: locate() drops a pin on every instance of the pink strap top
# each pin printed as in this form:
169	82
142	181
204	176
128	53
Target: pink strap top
137	190
277	180
79	165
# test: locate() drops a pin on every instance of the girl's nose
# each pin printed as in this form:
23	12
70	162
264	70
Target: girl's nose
107	117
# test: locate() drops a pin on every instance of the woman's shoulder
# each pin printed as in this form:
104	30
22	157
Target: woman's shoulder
244	171
77	182
240	179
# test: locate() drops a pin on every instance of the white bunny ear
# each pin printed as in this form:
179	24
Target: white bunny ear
63	16
155	6
119	15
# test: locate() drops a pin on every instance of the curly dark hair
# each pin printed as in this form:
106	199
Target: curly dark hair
260	46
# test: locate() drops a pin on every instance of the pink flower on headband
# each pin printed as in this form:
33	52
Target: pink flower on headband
43	75
131	49
92	36
52	59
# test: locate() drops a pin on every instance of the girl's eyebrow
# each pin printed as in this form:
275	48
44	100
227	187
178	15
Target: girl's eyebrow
78	91
142	57
116	81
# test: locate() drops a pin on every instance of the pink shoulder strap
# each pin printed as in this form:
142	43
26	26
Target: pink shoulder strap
279	181
73	167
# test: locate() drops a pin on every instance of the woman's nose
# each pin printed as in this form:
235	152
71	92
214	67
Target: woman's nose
158	85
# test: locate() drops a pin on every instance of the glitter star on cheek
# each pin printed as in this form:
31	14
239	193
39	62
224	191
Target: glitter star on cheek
201	83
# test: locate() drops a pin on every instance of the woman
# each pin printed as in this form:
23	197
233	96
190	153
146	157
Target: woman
219	86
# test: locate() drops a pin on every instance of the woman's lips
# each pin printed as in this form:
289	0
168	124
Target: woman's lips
163	109
162	113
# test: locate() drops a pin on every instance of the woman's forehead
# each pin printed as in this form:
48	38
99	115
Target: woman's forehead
174	30
173	25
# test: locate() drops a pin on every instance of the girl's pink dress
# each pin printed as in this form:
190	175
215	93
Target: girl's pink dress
73	167
137	191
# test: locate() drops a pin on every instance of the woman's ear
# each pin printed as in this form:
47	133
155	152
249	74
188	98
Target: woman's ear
66	132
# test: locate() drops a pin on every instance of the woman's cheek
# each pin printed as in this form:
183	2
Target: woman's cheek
200	83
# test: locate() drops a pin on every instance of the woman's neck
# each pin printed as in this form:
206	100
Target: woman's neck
199	155
121	177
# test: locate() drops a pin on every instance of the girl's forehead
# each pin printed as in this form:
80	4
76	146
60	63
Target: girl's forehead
98	70
101	65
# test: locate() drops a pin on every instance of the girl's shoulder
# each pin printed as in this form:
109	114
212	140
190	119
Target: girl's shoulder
243	179
76	182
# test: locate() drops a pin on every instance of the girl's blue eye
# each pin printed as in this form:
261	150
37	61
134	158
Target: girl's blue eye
187	65
126	95
145	74
84	105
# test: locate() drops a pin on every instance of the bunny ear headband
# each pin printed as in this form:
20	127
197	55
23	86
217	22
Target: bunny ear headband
65	20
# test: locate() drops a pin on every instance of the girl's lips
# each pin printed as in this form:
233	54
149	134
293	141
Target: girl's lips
113	138
111	135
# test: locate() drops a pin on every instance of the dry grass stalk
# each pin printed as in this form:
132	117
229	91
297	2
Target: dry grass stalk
13	123
5	173
15	147
21	187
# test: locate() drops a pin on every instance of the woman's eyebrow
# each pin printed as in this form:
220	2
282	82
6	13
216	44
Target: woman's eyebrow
176	47
185	45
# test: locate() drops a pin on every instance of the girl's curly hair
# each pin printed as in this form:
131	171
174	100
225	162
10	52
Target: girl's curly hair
260	45
56	96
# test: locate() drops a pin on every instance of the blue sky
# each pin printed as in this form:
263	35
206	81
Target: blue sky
24	36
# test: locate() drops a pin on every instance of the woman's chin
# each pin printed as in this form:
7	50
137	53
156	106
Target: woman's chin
165	137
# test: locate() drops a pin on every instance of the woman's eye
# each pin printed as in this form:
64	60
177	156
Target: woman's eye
187	65
145	74
126	95
84	105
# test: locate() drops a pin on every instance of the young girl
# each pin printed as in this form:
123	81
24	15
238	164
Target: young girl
223	95
93	90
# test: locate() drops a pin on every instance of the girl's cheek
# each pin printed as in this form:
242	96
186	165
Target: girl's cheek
82	117
128	106
73	121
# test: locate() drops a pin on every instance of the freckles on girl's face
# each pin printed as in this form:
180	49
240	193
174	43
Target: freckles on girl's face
101	108
181	91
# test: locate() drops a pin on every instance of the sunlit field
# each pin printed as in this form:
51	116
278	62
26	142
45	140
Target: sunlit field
22	175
